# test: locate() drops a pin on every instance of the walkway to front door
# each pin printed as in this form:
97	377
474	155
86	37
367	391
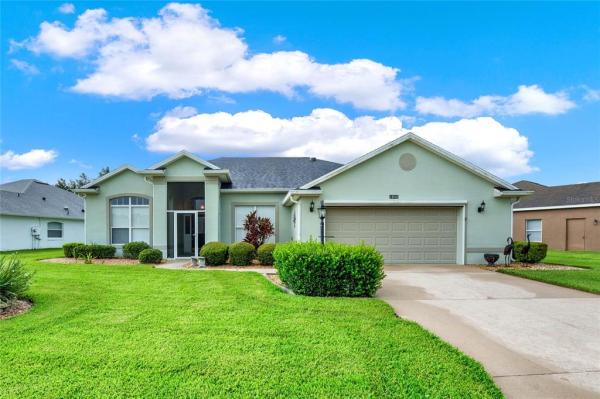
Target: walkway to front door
535	339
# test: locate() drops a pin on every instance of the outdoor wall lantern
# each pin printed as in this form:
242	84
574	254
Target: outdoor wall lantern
312	206
322	213
595	222
481	207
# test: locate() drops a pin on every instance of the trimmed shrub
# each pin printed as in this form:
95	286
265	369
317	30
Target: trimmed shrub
264	253
333	269
150	255
215	253
132	249
68	248
241	253
536	253
14	280
97	251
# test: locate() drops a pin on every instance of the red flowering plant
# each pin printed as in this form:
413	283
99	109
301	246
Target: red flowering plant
258	229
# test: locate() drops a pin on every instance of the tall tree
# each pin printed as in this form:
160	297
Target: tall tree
79	182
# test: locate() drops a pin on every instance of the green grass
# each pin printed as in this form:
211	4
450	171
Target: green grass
136	331
587	279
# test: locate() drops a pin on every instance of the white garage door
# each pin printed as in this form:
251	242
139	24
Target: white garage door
401	234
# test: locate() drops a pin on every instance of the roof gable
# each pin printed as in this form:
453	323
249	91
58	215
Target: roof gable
424	144
120	170
182	154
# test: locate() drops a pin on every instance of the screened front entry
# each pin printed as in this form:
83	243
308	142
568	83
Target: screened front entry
185	219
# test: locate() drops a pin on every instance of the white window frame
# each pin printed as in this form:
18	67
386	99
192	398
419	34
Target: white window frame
62	230
130	206
528	231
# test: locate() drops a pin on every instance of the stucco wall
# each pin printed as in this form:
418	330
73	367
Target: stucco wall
433	179
554	226
229	200
15	232
96	205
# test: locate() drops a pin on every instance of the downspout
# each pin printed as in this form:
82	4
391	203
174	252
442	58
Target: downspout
512	214
84	218
296	202
151	182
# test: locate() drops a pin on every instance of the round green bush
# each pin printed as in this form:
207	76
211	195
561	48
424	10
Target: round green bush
264	253
310	268
68	248
132	249
97	251
241	253
150	255
536	253
215	253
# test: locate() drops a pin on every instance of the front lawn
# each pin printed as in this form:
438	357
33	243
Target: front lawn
587	279
136	331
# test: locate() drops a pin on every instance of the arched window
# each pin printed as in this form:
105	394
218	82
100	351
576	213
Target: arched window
129	219
55	230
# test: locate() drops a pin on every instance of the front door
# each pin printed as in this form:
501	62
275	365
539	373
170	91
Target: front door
186	235
575	234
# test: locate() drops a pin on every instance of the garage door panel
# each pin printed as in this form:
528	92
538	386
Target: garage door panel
401	234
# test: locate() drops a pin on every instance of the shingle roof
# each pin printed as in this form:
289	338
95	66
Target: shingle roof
26	198
273	172
567	195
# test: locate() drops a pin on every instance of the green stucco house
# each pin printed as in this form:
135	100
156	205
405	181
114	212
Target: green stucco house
414	201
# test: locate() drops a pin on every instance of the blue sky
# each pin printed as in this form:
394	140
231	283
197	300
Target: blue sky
514	87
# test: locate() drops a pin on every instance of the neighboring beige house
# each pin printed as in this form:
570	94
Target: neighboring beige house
564	217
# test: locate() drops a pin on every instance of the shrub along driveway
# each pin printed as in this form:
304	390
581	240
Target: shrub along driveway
537	340
137	331
586	279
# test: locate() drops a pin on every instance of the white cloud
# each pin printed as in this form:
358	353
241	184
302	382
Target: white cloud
25	67
80	164
28	160
527	100
483	141
279	39
66	8
183	52
589	94
331	135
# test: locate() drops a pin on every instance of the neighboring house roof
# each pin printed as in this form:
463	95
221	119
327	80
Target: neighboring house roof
570	195
425	144
273	172
31	197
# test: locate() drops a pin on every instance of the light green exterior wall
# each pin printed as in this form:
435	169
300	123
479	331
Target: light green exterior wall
433	179
96	206
184	169
282	214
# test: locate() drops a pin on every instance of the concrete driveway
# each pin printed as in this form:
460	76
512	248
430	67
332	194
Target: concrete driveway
536	340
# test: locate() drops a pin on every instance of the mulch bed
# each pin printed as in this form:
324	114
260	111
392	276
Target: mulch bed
19	306
109	261
531	266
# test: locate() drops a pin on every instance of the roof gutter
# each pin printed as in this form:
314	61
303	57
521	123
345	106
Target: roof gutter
511	193
293	195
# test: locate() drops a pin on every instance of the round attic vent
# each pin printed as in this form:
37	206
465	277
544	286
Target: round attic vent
407	161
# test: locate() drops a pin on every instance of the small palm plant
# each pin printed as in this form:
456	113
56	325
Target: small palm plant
14	280
88	258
